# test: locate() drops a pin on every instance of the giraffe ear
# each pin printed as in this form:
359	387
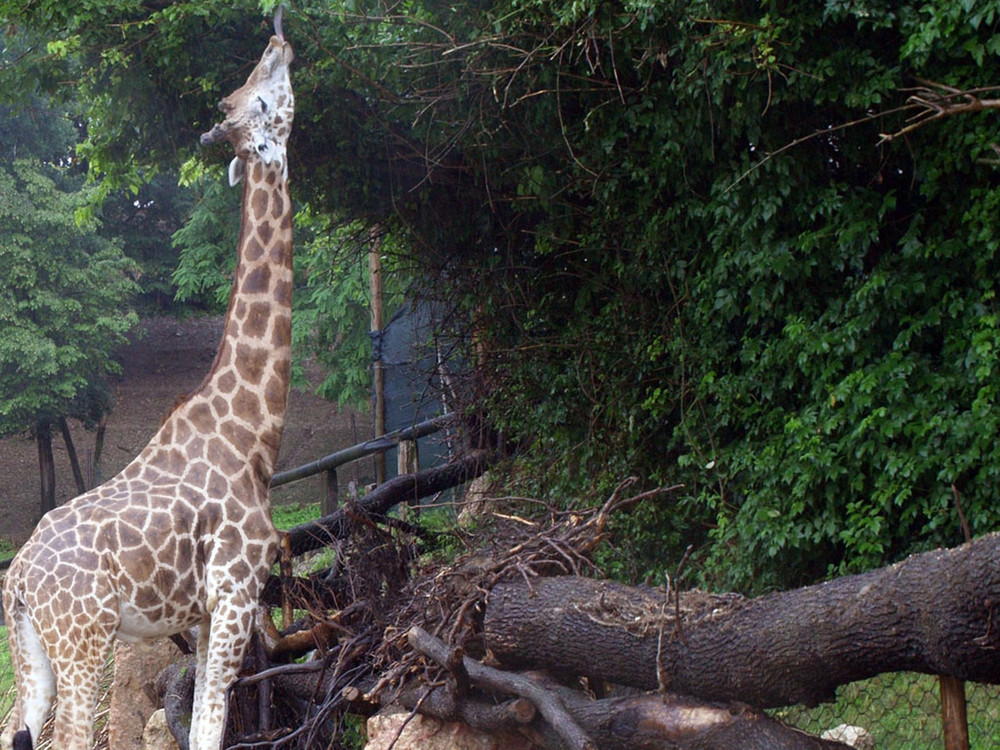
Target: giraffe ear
236	169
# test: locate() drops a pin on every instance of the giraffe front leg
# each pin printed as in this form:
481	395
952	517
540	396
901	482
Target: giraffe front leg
227	636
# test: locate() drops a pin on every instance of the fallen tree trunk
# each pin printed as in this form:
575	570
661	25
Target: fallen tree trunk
935	613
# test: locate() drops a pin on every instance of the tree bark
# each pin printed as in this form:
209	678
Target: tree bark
74	462
46	467
567	718
935	612
96	475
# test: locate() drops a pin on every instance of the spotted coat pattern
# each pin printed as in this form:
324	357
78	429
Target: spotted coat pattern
182	537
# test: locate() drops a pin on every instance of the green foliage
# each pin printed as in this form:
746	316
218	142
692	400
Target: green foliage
680	261
64	293
332	318
207	241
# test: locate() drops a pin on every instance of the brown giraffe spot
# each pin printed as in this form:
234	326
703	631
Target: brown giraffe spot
266	232
173	462
201	417
258	281
253	250
255	325
196	447
240	437
140	567
211	515
227	382
145	597
250	364
218	485
241	571
230	537
282	334
283	293
258	169
224	356
271	439
183	432
165	579
244	486
196	474
277	206
184	553
254	554
259	202
64	601
275	395
220	404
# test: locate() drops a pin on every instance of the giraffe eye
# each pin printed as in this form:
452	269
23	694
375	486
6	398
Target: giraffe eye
263	105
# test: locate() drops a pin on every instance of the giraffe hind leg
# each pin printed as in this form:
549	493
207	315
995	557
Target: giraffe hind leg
34	679
78	682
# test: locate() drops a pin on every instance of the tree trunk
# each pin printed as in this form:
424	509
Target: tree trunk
934	613
96	477
46	467
74	462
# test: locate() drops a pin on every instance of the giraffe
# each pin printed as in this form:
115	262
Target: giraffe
182	537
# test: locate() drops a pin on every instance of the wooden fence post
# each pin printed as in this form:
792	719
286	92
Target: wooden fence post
378	371
955	722
330	500
408	462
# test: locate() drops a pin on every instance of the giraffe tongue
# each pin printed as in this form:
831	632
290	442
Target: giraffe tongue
277	23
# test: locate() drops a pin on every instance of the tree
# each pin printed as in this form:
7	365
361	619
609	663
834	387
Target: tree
657	280
64	295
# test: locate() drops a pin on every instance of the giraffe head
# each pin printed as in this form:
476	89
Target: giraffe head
259	113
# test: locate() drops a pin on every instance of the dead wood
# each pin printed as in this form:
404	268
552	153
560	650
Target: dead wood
520	593
547	702
574	720
933	613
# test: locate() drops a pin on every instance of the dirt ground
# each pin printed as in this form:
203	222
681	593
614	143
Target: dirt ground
166	359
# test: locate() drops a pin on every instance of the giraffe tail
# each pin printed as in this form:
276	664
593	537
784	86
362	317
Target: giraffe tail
22	740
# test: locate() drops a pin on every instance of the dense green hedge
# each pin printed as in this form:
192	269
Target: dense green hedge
674	230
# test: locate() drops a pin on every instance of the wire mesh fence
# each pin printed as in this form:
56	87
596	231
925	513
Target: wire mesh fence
902	711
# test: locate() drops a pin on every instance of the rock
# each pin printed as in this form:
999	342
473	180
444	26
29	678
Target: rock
133	698
156	735
858	737
426	733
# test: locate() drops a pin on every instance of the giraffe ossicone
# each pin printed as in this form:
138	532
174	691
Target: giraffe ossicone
182	537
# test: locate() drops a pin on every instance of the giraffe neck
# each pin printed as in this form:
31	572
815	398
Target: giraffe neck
244	395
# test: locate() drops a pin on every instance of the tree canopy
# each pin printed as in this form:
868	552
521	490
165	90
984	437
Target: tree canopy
674	229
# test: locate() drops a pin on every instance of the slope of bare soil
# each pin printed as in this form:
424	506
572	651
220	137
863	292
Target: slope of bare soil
165	359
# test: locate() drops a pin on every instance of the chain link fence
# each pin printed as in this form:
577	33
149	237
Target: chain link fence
902	711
